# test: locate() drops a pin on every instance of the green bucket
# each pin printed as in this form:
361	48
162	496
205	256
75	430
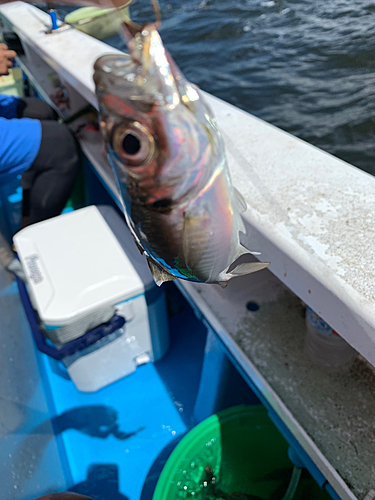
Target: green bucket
237	454
98	23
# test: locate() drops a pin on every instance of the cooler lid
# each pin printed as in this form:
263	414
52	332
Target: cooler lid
74	264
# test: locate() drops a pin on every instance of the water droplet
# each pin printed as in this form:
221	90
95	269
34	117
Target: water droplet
15	486
192	465
246	28
173	433
10	455
185	487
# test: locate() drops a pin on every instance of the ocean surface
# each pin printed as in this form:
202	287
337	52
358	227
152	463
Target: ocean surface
305	66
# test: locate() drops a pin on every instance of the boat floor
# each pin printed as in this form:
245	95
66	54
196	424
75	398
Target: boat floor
103	444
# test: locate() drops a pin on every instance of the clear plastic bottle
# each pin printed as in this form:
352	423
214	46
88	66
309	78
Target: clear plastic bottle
324	345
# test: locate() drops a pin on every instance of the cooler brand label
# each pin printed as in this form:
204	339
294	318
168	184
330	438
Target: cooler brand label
318	324
32	265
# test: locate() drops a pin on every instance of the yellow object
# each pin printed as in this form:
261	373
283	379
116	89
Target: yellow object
96	22
12	84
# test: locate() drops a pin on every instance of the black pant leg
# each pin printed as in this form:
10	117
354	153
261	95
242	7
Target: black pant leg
50	179
31	107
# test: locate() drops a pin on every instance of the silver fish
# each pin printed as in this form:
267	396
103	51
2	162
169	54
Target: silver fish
168	156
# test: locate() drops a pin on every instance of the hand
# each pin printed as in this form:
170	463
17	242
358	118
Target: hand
6	58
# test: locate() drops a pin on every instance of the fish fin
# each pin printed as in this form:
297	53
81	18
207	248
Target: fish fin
159	274
205	254
195	237
242	250
240	224
240	201
240	270
248	268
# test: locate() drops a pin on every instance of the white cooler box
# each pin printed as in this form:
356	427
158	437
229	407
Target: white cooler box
83	269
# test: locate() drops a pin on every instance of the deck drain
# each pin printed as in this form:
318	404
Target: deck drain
252	306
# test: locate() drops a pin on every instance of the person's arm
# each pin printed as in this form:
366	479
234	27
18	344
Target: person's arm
6	59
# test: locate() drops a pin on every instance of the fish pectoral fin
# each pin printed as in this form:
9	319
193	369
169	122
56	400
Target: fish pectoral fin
242	250
240	270
197	220
248	268
159	274
240	201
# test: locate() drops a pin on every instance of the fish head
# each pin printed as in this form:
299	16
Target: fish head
161	136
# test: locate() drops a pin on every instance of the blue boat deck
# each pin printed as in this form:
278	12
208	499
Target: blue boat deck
101	444
112	444
112	438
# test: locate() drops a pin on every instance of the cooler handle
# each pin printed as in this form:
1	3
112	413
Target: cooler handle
89	338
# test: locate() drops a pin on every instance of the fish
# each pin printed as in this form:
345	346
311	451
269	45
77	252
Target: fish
168	156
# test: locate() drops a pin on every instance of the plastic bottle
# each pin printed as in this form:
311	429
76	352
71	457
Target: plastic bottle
324	345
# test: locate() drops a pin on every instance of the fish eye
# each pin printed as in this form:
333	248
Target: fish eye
133	144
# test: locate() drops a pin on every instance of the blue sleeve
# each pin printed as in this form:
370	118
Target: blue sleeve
20	140
8	106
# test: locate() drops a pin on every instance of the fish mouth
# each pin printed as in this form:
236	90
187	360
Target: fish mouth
111	70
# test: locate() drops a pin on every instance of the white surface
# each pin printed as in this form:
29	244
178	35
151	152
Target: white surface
310	214
75	265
